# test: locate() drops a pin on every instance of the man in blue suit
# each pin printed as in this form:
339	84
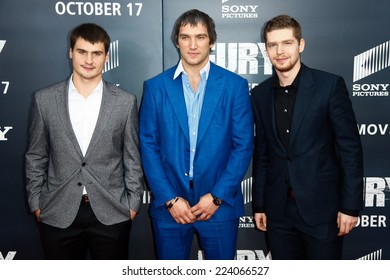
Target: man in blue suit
308	163
196	134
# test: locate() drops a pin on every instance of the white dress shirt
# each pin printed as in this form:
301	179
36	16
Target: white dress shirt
84	113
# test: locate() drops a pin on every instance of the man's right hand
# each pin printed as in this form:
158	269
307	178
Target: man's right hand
38	214
181	211
261	221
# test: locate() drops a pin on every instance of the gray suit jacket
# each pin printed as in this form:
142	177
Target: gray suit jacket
56	170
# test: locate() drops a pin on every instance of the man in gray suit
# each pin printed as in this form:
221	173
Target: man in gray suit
83	169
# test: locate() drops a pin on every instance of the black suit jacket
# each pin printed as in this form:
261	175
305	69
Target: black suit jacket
324	159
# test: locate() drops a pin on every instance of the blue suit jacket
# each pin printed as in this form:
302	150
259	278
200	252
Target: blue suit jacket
224	145
324	158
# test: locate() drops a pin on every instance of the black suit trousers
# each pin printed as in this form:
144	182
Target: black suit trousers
86	238
293	239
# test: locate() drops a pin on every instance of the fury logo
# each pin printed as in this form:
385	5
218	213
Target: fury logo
3	133
10	256
253	255
376	187
242	58
246	255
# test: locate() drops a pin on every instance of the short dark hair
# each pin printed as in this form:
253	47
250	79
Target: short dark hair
194	17
92	33
282	22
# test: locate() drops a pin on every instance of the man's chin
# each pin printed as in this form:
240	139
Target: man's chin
284	68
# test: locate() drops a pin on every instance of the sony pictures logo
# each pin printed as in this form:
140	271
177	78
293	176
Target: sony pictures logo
237	10
113	57
246	222
369	63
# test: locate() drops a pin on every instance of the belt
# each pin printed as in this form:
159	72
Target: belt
290	193
85	198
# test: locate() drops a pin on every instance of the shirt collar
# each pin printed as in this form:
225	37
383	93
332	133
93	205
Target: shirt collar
294	84
96	92
180	69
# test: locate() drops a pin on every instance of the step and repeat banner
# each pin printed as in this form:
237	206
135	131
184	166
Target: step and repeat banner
349	38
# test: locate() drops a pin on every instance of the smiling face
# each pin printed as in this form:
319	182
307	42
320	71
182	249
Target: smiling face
284	50
88	60
194	45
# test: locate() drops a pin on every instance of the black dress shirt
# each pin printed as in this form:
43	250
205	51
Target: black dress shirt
284	108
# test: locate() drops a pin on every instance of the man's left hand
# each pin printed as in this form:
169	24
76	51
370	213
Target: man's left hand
345	223
132	214
205	208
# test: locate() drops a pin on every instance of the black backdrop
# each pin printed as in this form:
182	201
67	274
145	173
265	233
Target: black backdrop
347	37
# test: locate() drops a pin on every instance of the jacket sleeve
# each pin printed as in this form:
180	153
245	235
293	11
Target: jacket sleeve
132	159
242	147
348	146
158	182
37	155
260	160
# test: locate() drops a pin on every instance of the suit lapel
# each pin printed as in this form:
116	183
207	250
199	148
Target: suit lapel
108	101
304	96
63	111
174	89
270	107
213	93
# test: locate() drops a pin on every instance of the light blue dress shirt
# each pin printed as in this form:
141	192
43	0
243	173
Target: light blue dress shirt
194	103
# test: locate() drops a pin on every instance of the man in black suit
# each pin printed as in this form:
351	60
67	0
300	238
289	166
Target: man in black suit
308	162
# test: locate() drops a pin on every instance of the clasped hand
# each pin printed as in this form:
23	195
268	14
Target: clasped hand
183	213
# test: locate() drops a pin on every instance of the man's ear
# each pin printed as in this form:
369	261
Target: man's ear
301	45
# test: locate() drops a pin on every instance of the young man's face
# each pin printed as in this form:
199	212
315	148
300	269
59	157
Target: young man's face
284	49
194	45
88	59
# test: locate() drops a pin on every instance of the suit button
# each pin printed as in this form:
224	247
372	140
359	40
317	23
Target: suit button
83	164
79	184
